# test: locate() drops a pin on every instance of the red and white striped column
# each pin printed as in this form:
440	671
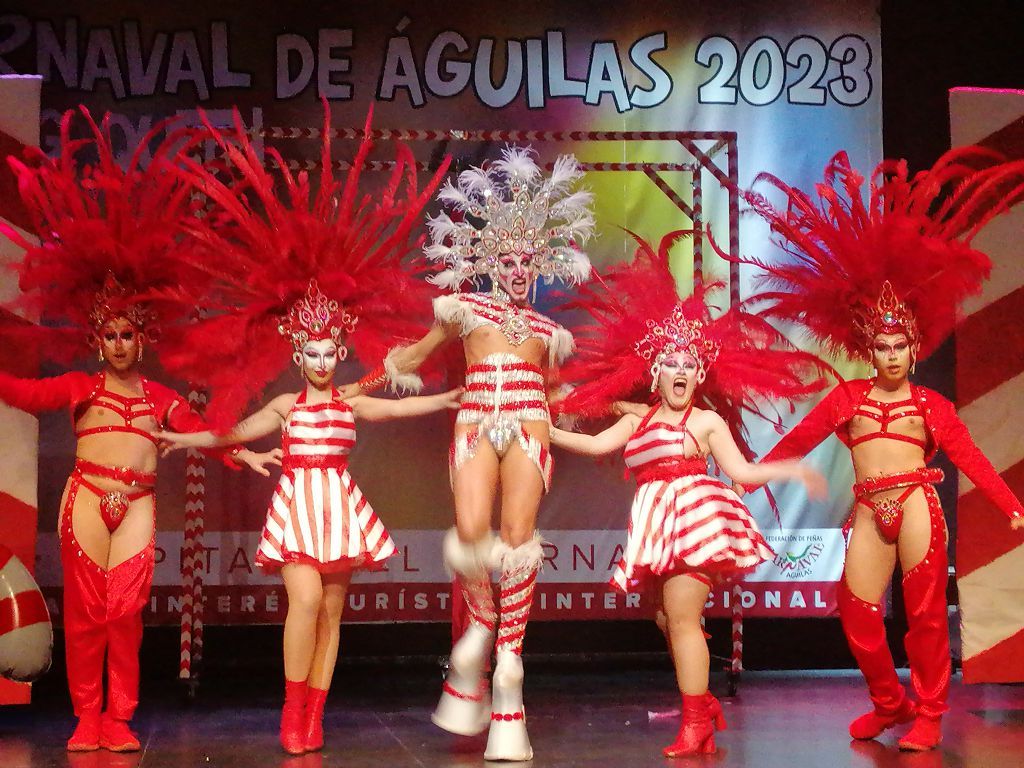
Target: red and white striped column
990	396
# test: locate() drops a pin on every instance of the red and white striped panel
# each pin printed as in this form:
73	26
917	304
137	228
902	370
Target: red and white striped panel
990	395
19	432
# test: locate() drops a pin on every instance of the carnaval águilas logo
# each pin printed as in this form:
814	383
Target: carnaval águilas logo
796	560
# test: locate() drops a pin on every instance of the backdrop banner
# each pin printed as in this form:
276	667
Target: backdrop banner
665	107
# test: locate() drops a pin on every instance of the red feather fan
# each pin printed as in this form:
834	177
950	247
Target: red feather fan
268	235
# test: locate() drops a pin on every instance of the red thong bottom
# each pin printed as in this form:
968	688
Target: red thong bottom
889	512
113	504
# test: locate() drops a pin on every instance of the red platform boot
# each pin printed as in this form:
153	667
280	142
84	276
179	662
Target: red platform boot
865	633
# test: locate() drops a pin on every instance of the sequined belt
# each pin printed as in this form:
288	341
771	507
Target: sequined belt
888	512
329	461
113	504
503	384
125	475
914	477
671	469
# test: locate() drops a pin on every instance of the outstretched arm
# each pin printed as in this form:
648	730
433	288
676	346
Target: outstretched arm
38	395
955	439
381	409
821	421
401	363
611	439
728	456
267	420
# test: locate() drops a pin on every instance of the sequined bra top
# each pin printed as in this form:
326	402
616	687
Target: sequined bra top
128	409
657	451
518	324
885	415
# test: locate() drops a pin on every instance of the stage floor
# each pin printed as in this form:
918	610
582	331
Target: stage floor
586	716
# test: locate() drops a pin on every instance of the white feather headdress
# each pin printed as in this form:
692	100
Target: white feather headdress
510	207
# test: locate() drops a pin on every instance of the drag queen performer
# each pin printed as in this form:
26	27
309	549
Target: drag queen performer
686	529
512	224
882	282
103	242
308	261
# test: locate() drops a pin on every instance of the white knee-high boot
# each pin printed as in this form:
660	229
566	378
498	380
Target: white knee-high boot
464	705
507	738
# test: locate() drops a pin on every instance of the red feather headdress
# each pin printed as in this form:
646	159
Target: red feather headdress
291	258
900	261
108	237
638	316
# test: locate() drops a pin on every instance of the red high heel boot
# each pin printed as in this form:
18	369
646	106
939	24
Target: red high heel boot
293	736
315	700
696	733
715	712
865	633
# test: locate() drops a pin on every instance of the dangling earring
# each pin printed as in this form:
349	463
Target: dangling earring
297	358
533	300
138	357
99	354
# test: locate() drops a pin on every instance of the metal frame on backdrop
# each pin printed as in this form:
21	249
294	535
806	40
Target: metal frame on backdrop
713	153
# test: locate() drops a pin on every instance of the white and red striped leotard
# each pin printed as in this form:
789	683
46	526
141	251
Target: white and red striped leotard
503	390
682	520
318	515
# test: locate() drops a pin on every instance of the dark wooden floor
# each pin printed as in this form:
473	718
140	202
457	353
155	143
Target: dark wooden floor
586	716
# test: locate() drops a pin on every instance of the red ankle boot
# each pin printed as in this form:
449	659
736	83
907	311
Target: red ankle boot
715	712
293	713
86	737
116	736
696	734
925	734
315	700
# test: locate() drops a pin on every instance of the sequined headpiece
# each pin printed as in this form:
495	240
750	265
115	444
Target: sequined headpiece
676	333
316	317
510	207
889	315
114	300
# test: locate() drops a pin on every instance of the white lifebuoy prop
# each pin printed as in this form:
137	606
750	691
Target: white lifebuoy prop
26	635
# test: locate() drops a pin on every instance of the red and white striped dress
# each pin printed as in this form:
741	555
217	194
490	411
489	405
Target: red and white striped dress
318	515
682	520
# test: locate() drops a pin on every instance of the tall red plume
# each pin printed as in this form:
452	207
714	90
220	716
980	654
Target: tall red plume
914	232
268	235
755	364
94	220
